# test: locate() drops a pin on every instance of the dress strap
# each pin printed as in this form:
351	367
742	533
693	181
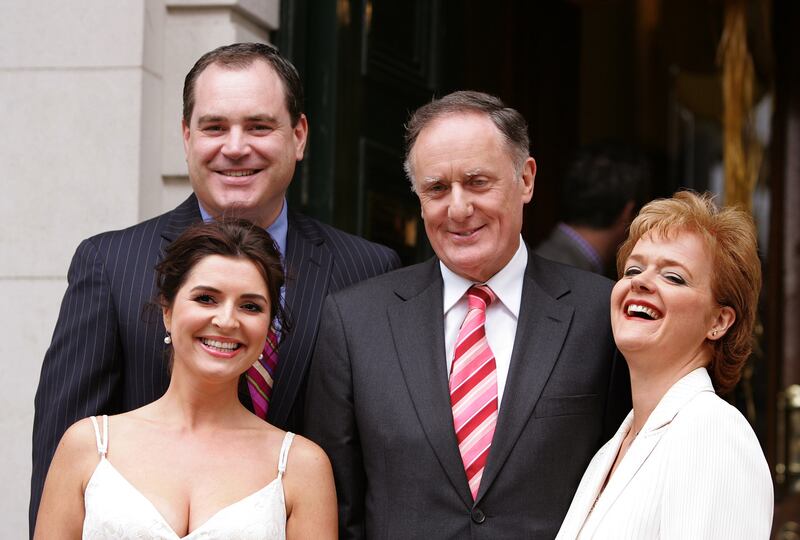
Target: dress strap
284	457
102	439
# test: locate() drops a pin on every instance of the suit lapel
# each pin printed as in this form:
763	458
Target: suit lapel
592	482
541	330
179	220
418	330
652	432
308	268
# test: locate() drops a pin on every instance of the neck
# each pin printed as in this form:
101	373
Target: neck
197	405
602	241
650	381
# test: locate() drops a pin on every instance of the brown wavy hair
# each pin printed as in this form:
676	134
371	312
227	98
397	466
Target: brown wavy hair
730	236
229	237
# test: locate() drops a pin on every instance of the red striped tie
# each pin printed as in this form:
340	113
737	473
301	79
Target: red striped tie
261	374
473	387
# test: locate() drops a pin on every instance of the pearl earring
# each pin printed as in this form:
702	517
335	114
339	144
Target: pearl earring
261	356
168	339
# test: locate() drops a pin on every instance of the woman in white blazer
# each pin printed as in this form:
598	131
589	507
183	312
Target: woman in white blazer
684	464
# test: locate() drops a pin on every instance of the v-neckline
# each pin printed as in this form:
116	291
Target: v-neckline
160	516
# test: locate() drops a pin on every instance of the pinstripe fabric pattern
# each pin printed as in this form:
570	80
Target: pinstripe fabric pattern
107	353
696	470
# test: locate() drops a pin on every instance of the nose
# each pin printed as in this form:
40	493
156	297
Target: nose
225	318
460	207
236	144
641	282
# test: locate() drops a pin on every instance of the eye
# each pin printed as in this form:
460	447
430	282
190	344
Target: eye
252	307
478	182
675	278
436	188
261	128
204	299
212	128
632	271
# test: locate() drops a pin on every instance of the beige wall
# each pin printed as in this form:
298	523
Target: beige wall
90	141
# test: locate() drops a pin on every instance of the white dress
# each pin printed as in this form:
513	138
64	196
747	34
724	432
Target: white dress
116	509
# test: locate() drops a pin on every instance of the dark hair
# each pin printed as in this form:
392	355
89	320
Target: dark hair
508	121
229	237
241	56
600	182
730	237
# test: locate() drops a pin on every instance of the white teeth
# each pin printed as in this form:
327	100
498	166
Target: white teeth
223	345
239	173
636	308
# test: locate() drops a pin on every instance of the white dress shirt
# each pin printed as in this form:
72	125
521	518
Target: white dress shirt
501	316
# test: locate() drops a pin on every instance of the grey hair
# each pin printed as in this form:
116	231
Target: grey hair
508	121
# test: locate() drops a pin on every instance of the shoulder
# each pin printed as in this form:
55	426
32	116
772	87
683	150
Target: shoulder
713	435
391	287
78	448
552	275
79	436
586	293
306	463
142	240
711	417
344	245
148	227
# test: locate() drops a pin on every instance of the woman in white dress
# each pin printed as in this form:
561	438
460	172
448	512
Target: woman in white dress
196	463
684	463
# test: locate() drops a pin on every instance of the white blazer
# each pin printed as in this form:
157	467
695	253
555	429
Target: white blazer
696	470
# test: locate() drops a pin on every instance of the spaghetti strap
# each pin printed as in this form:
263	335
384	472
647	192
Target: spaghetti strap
102	439
284	457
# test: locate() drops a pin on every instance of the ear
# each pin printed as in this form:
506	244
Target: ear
166	313
186	132
300	133
626	216
724	320
528	179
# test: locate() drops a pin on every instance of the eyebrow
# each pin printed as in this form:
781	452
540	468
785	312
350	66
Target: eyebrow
472	173
218	118
431	179
215	290
662	261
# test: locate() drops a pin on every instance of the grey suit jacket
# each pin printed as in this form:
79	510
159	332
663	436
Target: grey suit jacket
561	248
378	403
108	356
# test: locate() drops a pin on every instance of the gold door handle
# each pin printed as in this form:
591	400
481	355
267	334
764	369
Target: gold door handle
788	466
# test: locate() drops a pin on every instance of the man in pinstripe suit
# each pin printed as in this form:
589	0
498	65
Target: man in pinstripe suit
243	132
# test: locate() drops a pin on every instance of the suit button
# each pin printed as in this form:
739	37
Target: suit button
478	516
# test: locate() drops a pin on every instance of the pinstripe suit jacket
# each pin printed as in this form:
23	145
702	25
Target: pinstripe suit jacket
696	470
107	354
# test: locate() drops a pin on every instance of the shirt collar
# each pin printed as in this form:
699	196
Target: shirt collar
585	247
277	230
506	284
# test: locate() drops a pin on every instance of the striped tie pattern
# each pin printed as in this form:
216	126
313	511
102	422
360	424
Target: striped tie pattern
260	375
473	387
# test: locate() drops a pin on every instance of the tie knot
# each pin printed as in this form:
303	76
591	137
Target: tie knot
480	297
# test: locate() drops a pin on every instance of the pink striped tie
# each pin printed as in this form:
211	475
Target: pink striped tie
261	374
473	387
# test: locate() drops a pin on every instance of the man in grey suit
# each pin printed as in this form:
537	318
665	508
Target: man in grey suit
243	132
451	410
